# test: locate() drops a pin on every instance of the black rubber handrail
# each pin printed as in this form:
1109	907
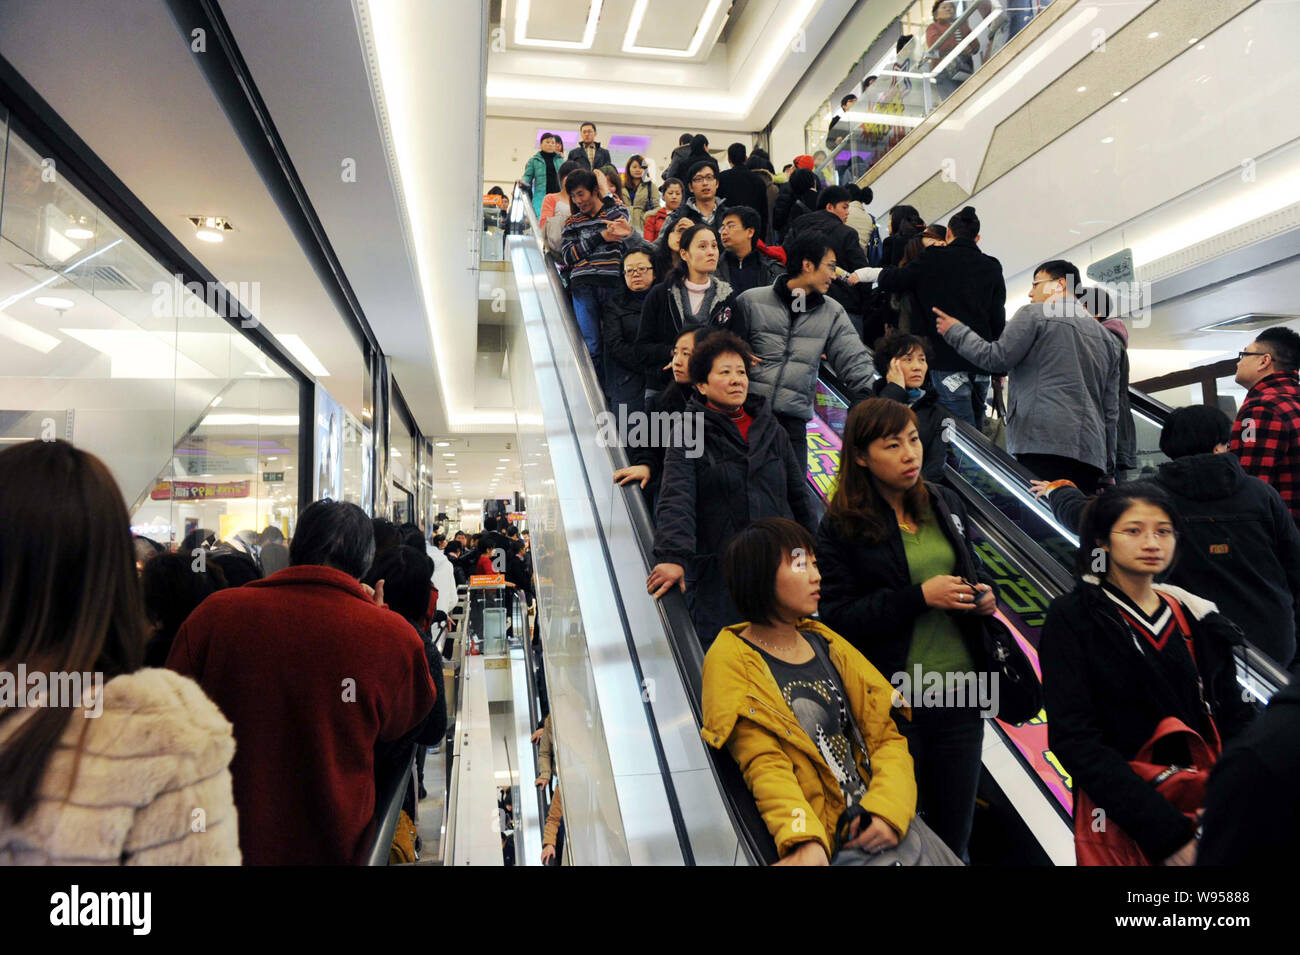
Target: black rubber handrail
388	807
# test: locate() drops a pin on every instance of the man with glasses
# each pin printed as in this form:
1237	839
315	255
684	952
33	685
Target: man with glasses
1064	368
703	205
1266	434
743	265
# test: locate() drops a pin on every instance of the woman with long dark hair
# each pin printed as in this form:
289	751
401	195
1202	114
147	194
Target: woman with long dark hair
692	294
898	582
1121	654
120	788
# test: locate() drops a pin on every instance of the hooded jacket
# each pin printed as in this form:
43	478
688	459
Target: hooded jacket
705	501
789	206
666	313
1105	698
1064	379
158	749
791	343
578	154
930	416
796	792
867	590
535	176
1240	546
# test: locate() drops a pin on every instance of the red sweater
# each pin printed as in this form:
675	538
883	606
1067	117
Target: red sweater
312	675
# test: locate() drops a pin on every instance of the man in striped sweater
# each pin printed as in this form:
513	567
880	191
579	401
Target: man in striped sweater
592	251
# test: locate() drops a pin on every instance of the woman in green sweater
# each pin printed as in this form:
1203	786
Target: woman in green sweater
899	583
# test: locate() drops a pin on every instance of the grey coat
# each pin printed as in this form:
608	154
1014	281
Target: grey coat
1064	371
791	343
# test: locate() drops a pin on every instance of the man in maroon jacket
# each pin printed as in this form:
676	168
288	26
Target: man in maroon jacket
313	673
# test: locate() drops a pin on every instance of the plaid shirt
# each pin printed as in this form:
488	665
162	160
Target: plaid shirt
1266	435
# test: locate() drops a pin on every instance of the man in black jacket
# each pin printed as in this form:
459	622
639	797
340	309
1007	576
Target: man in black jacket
591	154
742	265
1240	549
967	284
741	186
830	218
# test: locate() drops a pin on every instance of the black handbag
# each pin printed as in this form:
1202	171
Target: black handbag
1018	695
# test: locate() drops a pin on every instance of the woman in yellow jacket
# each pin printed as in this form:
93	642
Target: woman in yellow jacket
792	724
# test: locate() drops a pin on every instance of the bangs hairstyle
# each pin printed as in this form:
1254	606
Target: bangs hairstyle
1105	510
752	559
897	345
856	507
711	347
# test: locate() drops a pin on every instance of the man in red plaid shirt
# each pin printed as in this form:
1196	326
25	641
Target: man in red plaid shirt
1266	434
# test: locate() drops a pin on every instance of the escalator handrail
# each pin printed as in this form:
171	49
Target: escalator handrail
388	807
688	654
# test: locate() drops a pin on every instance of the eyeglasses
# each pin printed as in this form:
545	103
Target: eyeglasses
1043	282
699	179
1252	354
639	270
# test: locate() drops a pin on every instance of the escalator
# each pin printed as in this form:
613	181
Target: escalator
1028	552
1019	775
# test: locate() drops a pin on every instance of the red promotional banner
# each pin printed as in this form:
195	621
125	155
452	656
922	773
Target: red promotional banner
198	491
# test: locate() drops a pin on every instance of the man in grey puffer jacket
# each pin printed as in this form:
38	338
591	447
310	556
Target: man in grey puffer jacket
791	324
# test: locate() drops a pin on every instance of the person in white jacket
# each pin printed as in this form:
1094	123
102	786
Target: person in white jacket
444	575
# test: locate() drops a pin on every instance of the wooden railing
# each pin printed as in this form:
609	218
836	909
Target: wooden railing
1207	376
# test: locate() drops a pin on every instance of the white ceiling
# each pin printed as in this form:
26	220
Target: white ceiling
735	82
667	28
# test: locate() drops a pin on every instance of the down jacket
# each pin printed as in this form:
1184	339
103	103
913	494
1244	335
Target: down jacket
159	749
535	176
704	501
1105	697
795	790
791	344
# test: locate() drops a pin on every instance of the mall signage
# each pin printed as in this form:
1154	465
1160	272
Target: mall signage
198	491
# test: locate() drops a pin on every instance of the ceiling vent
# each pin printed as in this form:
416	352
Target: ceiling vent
90	277
1250	322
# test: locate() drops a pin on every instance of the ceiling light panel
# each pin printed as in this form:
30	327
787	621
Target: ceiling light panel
523	10
648	39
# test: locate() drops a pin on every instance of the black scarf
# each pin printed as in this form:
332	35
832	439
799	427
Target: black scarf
552	174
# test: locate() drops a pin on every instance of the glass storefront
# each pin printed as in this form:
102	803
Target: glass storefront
100	346
403	467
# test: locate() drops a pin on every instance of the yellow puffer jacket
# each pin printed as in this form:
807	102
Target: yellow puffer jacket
795	790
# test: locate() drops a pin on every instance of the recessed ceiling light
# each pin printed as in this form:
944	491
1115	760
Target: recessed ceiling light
449	454
1081	89
1193	41
209	235
1153	34
210	228
1123	99
53	301
442	444
1116	93
79	232
503	459
1109	139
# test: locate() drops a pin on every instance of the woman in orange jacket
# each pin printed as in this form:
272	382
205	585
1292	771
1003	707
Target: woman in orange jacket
803	713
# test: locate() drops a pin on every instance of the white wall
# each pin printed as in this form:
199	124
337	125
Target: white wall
509	142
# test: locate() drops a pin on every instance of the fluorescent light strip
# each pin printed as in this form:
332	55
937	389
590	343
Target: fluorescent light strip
1025	496
550	91
244	420
588	34
702	29
24	334
299	350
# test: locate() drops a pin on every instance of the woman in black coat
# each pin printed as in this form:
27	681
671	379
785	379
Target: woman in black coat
1117	661
899	583
646	459
739	468
904	360
670	306
620	320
